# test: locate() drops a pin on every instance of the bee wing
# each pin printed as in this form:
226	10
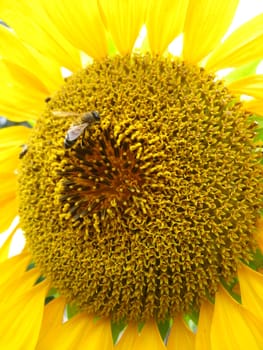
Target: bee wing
75	131
65	114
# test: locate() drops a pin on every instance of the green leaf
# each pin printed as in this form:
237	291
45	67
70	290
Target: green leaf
164	327
230	288
192	320
257	262
72	310
259	135
116	329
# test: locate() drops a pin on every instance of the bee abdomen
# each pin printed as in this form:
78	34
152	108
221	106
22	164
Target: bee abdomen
68	143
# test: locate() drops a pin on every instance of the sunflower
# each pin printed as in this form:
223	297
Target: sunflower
139	185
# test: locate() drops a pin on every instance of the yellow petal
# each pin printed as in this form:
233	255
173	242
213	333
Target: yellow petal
9	179
6	162
20	303
10	146
98	336
18	285
180	337
252	86
27	110
9	210
81	24
8	204
8	200
128	337
42	33
28	80
14	266
14	277
4	250
206	23
254	106
81	332
53	315
149	338
9	160
242	46
165	20
20	100
9	168
234	327
204	327
251	285
123	19
21	319
13	136
13	50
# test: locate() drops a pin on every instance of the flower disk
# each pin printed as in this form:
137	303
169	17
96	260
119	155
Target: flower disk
153	206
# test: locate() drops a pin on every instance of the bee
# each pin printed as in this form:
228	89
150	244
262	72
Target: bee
23	151
76	130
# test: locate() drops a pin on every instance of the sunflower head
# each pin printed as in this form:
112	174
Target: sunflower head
140	184
155	198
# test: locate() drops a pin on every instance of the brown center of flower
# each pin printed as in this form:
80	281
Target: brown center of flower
153	205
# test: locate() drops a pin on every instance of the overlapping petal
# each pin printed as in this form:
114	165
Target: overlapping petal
244	45
81	24
14	267
12	50
234	327
5	249
148	338
80	332
9	209
123	19
254	106
10	147
22	309
206	23
251	285
33	25
53	316
252	86
23	315
15	104
171	14
202	341
181	337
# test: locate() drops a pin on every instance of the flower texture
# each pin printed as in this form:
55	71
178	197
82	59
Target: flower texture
139	184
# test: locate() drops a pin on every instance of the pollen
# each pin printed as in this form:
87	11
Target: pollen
154	205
